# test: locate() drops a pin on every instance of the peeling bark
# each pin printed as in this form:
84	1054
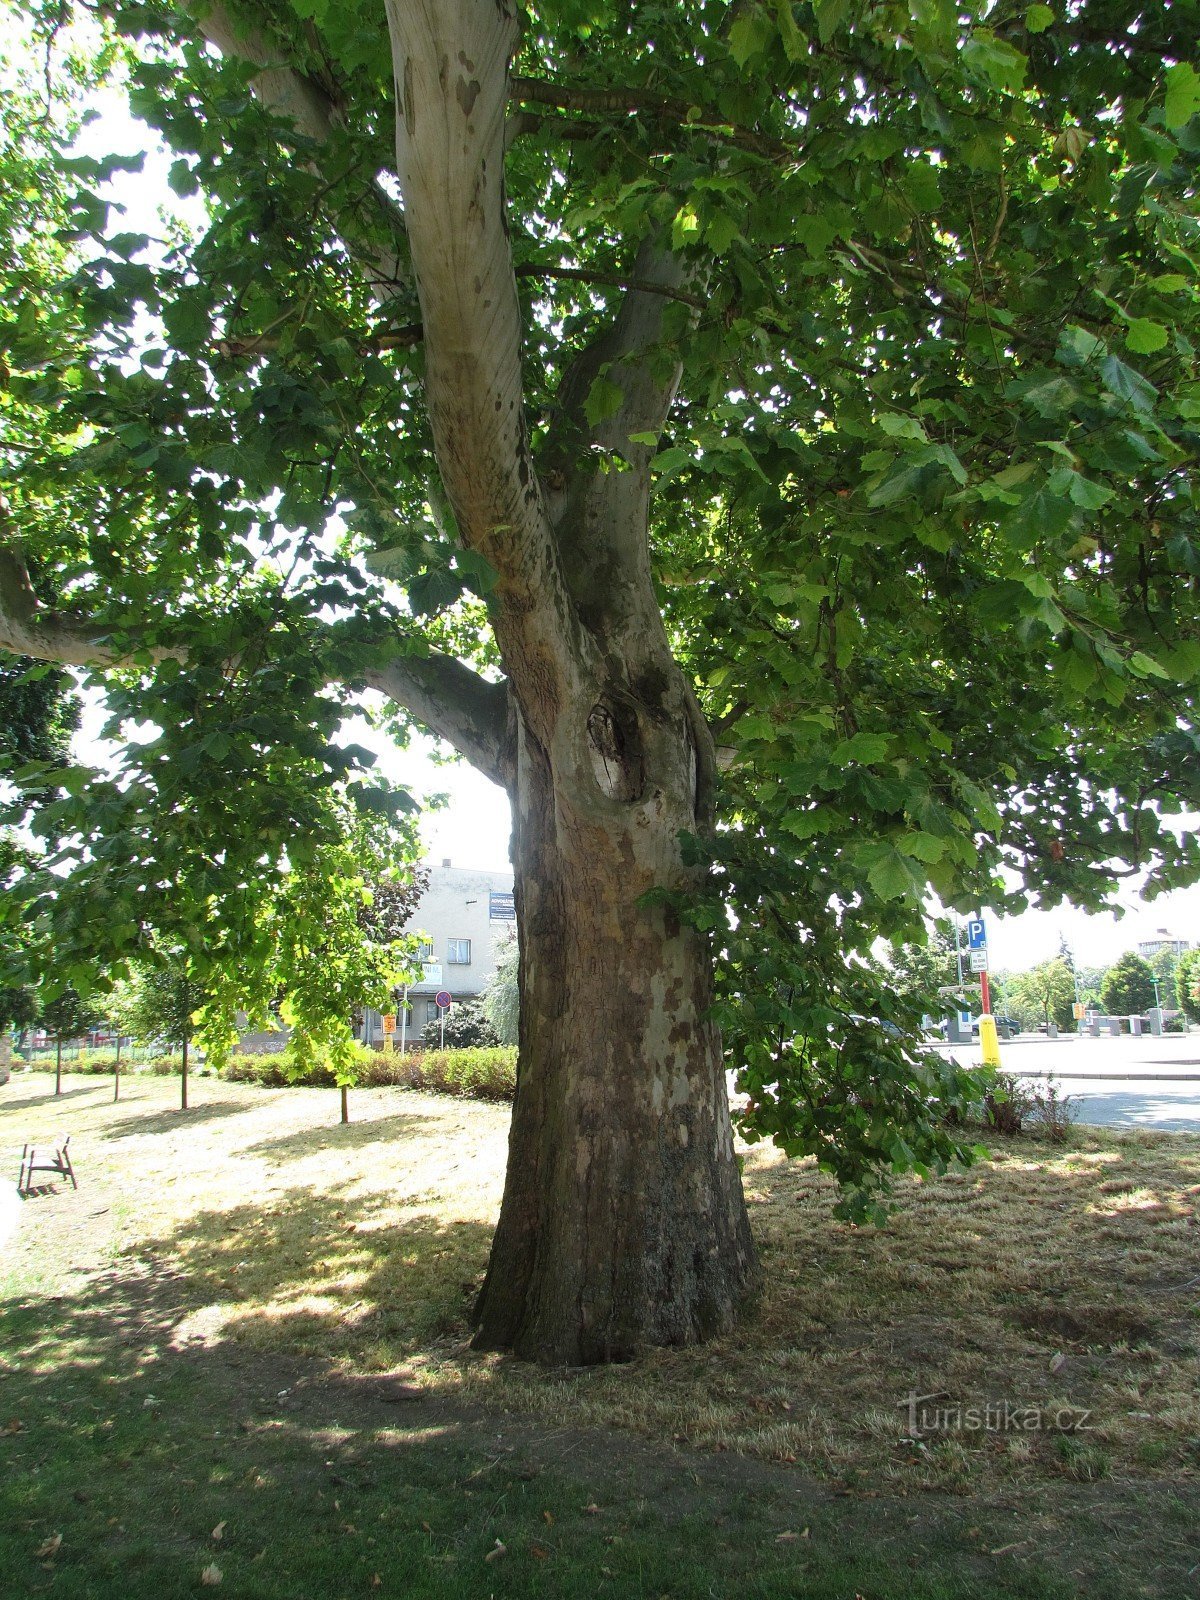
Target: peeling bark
623	1223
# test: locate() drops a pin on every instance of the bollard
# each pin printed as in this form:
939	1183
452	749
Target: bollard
989	1040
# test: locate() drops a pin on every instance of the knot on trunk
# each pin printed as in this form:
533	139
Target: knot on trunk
615	746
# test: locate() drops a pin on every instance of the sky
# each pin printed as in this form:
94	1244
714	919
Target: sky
473	829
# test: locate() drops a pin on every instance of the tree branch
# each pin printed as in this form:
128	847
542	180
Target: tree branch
28	629
643	102
445	696
454	703
617	280
284	89
451	66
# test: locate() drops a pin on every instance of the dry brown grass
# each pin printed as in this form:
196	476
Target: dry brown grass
1050	1277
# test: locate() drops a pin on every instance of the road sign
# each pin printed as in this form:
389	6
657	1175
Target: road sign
1079	1010
976	935
979	960
389	1023
442	999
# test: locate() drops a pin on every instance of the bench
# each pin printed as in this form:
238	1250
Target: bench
59	1162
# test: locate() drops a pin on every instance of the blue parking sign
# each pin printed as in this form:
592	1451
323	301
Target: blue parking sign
976	934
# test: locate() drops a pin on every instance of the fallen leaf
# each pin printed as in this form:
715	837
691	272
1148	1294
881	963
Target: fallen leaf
218	1532
1058	1362
211	1576
496	1551
425	1528
50	1547
593	1510
548	1517
376	1580
14	1425
786	1538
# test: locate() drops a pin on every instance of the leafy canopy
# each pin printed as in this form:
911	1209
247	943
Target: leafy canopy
924	527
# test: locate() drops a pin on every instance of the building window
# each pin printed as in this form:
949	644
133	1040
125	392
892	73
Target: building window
426	951
431	1011
458	952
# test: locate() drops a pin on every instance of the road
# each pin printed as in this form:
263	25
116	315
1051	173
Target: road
1121	1083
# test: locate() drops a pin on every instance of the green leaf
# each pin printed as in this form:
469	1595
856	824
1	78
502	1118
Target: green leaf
892	878
1144	336
1183	95
923	847
1038	18
749	35
603	401
864	747
830	15
898	427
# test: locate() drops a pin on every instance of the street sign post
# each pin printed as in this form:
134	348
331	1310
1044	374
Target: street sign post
443	999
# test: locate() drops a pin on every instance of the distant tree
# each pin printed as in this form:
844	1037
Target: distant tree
120	1010
1128	987
1187	983
916	972
66	1016
163	1005
1044	994
501	998
39	710
1163	964
386	912
467	1027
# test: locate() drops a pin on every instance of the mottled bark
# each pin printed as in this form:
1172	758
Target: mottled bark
623	1223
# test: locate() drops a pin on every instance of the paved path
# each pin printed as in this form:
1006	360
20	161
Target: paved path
1121	1083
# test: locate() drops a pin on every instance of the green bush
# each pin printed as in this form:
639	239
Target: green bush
481	1074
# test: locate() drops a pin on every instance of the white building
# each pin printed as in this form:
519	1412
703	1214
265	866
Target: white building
465	916
1162	940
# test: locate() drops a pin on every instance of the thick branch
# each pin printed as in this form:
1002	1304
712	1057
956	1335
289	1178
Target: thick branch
602	518
615	280
28	629
284	89
454	703
448	698
451	64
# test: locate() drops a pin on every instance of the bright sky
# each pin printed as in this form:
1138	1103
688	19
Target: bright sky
473	830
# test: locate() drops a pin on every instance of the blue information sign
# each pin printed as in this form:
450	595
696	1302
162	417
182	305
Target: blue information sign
501	907
976	934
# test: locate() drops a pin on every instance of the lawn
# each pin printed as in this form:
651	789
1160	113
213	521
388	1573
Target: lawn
252	1318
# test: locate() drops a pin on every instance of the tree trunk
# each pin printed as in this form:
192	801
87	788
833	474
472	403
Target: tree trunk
117	1072
58	1066
345	1104
183	1075
623	1223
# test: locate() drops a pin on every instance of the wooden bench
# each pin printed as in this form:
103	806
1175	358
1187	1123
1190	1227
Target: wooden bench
59	1163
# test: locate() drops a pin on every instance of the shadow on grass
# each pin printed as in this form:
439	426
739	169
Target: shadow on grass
352	1135
302	1274
134	1123
37	1096
176	1393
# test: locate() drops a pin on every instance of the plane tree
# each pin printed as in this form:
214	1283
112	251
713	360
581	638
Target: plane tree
755	435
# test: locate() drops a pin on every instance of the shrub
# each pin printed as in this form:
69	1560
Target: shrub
467	1027
1008	1103
480	1074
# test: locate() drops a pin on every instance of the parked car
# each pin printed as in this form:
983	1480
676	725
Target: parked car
1006	1027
